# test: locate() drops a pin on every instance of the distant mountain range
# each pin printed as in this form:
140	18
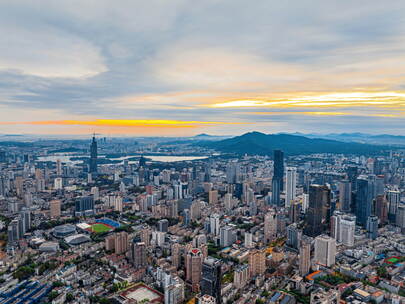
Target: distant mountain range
264	144
380	139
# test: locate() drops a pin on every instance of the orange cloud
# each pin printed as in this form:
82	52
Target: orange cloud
144	123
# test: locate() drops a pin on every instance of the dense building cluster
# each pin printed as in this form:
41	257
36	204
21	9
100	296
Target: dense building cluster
119	221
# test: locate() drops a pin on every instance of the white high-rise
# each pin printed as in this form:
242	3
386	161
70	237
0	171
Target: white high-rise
290	185
343	227
214	224
347	229
325	250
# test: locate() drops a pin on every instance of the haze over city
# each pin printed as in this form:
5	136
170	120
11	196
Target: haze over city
202	152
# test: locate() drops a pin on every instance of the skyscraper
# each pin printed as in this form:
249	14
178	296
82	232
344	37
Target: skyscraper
194	261
325	250
345	195
270	227
364	198
372	227
291	186
381	208
93	156
257	262
393	197
54	207
278	174
211	278
319	203
138	254
400	218
305	256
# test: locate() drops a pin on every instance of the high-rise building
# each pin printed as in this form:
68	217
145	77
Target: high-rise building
214	224
194	259
372	227
163	225
93	156
381	208
291	186
278	175
364	198
347	229
345	195
211	278
257	262
400	218
176	256
14	232
294	235
270	226
25	221
55	208
393	197
325	250
138	254
248	240
319	204
305	256
121	242
294	212
227	236
241	276
84	205
213	197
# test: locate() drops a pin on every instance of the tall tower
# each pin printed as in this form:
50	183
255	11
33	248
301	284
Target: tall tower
93	156
278	174
364	198
194	261
290	185
305	256
319	201
325	250
345	195
211	278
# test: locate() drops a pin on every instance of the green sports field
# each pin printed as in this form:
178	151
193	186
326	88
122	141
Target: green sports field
100	228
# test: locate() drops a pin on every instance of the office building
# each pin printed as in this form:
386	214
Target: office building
257	262
163	225
325	250
194	260
227	236
139	254
93	156
278	175
241	276
393	197
84	205
345	195
291	186
372	227
211	278
270	227
318	208
55	209
365	186
304	260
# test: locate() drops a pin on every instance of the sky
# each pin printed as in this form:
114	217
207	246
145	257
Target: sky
182	67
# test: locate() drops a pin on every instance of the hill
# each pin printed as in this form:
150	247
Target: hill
262	144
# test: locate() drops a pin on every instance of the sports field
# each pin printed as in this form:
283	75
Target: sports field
100	228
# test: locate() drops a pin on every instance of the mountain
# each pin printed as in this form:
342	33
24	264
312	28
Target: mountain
380	139
264	144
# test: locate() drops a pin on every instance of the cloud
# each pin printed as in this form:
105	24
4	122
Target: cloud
175	61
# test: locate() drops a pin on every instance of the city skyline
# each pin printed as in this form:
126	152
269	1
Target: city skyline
218	67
